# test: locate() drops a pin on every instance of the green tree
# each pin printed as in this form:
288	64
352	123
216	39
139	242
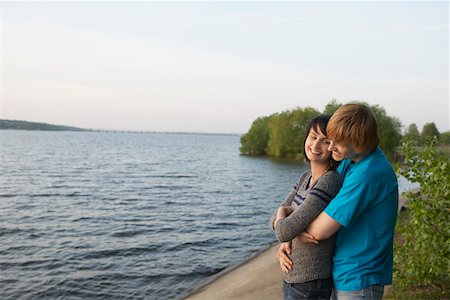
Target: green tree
429	130
413	134
287	132
254	142
299	120
282	134
423	251
279	134
445	138
331	107
389	129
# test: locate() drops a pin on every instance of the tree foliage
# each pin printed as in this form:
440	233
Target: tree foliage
422	258
445	138
429	130
282	134
389	129
413	135
331	107
279	135
254	142
287	132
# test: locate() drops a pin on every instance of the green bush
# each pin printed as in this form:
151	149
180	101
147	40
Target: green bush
422	248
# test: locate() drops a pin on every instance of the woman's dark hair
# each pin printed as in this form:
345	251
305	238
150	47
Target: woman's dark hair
319	124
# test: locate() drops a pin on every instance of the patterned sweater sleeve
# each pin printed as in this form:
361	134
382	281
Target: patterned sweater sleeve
315	202
288	200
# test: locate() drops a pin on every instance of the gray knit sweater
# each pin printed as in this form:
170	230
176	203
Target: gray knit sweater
310	261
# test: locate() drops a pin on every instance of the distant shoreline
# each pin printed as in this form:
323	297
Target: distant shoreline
36	126
25	125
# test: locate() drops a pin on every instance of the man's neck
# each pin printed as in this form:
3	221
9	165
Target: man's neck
357	157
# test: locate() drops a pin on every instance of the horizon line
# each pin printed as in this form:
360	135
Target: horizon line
124	130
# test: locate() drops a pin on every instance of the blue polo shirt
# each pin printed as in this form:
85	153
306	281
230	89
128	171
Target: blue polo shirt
366	207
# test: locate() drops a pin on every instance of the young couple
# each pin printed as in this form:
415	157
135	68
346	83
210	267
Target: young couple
336	226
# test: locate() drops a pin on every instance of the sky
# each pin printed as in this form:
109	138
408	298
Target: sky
217	66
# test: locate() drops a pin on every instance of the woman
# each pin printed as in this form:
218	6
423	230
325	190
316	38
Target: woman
307	274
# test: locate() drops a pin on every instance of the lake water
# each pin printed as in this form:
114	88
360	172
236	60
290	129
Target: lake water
126	215
92	215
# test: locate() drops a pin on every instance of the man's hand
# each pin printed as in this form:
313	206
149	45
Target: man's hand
283	253
307	238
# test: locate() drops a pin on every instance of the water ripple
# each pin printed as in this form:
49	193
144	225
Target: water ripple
129	216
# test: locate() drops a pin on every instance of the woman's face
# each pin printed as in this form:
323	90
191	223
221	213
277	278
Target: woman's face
316	146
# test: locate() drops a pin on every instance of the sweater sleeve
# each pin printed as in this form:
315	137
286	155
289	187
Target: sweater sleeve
288	200
315	202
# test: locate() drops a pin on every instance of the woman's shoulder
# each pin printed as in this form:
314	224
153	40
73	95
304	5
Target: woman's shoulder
329	184
333	174
305	175
332	177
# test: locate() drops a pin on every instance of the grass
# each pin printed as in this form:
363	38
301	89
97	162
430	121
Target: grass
413	293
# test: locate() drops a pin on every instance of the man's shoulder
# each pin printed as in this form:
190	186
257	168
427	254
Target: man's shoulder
375	163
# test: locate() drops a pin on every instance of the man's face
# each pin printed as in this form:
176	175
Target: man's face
341	151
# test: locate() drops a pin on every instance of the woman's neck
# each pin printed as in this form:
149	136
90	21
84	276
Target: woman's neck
318	169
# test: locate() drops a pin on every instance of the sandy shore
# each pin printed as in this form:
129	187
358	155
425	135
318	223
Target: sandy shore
260	277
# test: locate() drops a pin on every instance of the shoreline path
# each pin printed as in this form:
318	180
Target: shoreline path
259	277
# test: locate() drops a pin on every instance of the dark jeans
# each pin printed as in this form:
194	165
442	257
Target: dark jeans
315	289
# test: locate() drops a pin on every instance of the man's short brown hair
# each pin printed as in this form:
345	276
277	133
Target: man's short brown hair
354	124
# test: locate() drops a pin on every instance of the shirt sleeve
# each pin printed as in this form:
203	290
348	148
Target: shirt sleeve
315	201
351	201
288	200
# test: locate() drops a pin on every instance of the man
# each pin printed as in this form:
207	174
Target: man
364	211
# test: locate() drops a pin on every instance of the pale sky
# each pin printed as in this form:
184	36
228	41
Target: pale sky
217	66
